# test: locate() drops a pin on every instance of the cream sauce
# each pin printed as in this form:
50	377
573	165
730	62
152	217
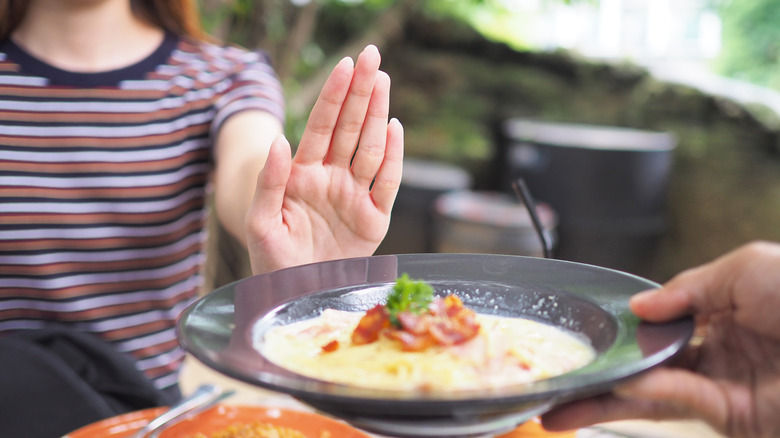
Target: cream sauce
506	351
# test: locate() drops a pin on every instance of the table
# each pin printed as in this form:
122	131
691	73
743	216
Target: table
195	373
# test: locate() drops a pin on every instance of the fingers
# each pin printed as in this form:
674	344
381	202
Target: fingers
734	281
336	121
678	393
662	394
388	179
317	136
603	409
353	114
588	412
373	138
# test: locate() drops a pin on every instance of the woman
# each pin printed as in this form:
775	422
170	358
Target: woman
115	118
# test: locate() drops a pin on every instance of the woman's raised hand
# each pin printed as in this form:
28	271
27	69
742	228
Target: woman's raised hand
333	198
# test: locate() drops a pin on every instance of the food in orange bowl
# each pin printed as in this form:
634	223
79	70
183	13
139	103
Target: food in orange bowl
221	418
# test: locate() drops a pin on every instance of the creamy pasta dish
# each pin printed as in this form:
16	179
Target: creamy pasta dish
441	345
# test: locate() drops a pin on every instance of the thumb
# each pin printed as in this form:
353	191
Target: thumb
700	290
744	281
272	180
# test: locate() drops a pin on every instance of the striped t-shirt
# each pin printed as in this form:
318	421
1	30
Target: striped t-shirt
103	181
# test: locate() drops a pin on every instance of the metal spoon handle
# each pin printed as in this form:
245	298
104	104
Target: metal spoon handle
191	413
205	396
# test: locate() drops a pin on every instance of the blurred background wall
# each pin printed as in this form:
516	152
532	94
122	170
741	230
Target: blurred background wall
693	80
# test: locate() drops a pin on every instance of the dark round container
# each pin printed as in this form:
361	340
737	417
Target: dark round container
488	223
607	184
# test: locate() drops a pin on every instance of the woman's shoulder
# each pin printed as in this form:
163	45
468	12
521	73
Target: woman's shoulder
220	56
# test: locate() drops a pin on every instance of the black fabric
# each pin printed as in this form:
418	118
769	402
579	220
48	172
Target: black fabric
53	381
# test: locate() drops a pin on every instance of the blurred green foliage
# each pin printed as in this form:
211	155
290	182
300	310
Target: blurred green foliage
304	38
240	21
751	41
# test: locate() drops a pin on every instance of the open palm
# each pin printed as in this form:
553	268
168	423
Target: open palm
333	199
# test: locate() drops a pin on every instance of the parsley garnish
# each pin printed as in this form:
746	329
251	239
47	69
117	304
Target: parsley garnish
408	296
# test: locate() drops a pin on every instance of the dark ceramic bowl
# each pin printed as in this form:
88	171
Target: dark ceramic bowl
223	328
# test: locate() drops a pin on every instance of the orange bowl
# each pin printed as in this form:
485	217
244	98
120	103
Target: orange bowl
216	419
222	416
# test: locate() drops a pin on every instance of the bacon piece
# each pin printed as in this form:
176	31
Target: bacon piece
447	322
451	305
371	325
411	341
417	324
331	346
438	306
455	324
446	332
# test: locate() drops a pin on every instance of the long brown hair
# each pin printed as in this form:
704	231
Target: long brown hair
180	17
